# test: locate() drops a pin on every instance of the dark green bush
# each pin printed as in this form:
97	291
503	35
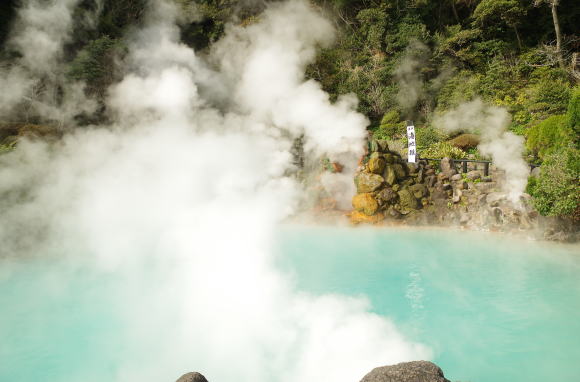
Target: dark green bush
94	64
427	136
548	136
573	114
391	126
556	191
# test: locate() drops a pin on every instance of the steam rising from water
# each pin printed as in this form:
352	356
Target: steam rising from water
504	147
192	177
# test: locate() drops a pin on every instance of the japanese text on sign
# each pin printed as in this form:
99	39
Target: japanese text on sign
412	144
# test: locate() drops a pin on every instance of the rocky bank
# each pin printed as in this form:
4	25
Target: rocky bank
438	193
416	371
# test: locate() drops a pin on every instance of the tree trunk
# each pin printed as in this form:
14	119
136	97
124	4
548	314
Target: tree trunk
554	4
518	37
455	11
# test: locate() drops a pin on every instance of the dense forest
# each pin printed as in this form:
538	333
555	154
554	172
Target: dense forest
404	59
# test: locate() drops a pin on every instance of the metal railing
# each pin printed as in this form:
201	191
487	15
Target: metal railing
464	163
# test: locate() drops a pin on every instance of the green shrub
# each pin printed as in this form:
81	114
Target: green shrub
548	136
442	150
549	96
94	64
462	87
391	126
556	190
573	114
428	136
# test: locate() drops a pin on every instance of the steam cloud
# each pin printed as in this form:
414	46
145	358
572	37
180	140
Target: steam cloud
504	147
408	76
35	78
192	175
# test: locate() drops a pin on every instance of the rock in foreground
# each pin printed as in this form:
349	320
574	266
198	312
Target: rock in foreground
192	377
417	371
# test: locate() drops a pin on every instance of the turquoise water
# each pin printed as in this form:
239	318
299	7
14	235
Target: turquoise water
491	308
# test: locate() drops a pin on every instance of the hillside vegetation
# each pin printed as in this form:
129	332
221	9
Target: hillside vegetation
404	59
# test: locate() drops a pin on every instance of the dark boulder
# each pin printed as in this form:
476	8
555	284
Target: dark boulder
408	200
192	377
380	146
417	371
387	196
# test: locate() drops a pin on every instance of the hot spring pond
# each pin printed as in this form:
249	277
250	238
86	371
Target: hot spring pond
491	308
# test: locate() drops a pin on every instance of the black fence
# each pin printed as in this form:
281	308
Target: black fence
464	163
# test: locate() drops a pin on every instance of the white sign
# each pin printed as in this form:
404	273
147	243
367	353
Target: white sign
412	144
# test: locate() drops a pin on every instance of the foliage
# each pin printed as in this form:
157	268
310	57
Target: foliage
573	114
391	126
118	15
490	11
548	136
7	147
94	64
557	131
549	96
427	136
6	16
442	150
463	87
556	190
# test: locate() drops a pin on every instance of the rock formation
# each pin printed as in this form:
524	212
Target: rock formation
417	371
192	377
388	187
434	193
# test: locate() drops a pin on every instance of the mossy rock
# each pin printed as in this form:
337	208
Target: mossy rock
400	171
366	182
376	164
389	175
407	200
379	146
465	141
419	190
387	196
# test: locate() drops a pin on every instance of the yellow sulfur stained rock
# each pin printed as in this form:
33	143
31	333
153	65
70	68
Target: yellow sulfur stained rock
360	218
376	164
365	203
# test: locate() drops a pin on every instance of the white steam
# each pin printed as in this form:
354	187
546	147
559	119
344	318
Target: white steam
504	147
40	32
407	74
265	65
193	177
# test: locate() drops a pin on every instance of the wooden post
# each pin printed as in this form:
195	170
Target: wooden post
464	167
486	169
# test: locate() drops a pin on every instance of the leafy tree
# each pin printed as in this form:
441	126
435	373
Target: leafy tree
554	8
510	12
